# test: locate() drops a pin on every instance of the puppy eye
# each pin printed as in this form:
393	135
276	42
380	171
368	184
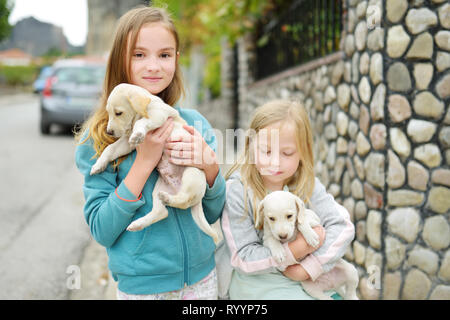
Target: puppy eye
289	216
272	219
118	114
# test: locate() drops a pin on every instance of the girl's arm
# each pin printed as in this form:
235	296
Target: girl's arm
340	231
148	154
109	207
296	272
300	249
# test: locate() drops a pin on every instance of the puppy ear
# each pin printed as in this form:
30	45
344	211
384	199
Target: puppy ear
259	215
300	210
139	103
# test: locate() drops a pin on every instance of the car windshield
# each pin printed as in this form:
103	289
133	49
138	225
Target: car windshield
81	75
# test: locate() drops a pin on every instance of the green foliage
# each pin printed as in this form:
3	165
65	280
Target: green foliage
53	52
206	22
212	74
5	10
18	75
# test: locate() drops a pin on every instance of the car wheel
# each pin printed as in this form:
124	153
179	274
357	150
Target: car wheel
45	127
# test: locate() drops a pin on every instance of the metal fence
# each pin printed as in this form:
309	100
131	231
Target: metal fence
309	29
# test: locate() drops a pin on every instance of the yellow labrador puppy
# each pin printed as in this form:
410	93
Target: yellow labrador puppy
133	112
284	215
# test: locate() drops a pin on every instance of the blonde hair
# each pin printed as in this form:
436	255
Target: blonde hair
118	70
302	182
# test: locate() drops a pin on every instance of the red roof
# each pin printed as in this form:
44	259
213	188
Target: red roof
14	53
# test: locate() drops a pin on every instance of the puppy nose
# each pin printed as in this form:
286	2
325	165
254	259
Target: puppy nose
283	236
110	132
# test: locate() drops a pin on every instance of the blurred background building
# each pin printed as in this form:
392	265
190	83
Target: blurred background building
102	20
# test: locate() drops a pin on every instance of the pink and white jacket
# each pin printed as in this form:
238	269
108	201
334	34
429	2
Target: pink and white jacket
242	248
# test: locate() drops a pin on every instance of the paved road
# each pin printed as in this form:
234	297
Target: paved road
42	231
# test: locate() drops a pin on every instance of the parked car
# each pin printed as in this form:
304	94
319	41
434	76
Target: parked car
70	93
39	83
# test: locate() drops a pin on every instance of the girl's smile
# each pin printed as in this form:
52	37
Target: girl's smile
276	173
152	79
270	172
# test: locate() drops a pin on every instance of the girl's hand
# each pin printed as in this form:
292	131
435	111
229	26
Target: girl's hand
296	272
193	151
151	149
300	248
148	154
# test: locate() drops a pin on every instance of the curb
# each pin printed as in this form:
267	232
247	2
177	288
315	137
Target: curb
96	280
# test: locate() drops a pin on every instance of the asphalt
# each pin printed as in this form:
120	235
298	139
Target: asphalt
96	282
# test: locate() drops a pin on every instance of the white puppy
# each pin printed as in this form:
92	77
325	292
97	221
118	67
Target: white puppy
133	112
284	214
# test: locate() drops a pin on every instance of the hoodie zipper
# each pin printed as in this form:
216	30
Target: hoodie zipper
185	252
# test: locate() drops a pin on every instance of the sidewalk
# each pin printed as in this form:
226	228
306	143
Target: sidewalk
96	280
10	96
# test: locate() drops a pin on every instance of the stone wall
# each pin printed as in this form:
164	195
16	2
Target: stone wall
379	109
416	232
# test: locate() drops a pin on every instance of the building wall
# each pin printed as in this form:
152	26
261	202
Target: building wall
379	109
103	16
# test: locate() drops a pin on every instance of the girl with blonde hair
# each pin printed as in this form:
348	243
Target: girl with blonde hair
278	155
173	258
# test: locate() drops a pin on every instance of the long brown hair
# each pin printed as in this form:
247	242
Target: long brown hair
118	71
302	182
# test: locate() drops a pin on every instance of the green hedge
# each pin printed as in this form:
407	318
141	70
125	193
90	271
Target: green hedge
18	75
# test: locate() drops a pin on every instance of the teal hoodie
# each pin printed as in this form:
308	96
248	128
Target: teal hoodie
165	256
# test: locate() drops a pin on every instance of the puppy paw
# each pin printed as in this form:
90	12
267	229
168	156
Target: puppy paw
136	226
136	138
164	196
282	268
98	167
312	239
278	256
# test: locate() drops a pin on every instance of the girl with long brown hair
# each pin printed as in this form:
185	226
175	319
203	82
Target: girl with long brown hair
173	258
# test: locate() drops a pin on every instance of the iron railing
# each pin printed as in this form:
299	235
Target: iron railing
309	29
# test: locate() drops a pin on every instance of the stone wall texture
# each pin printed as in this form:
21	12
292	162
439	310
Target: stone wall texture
379	109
